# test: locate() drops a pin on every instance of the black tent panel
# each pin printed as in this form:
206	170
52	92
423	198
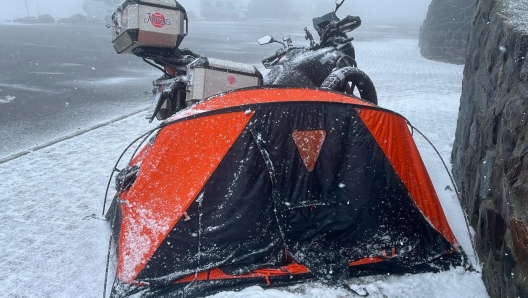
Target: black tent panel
230	225
352	205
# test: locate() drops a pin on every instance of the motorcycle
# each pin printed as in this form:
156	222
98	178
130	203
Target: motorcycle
329	64
170	90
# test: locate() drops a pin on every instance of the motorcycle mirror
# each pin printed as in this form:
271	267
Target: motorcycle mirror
338	5
288	41
266	40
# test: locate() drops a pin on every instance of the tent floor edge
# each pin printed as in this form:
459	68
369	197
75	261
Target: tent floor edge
444	263
210	287
205	288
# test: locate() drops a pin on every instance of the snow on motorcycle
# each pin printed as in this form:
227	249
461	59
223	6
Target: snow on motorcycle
154	29
330	63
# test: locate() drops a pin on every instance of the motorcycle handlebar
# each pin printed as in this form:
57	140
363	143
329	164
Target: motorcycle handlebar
349	23
278	54
271	58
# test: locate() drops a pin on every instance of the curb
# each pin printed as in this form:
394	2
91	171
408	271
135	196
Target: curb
70	136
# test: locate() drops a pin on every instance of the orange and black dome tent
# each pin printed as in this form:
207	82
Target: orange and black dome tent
272	186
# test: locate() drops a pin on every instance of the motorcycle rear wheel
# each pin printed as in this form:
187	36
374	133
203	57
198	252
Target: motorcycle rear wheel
346	79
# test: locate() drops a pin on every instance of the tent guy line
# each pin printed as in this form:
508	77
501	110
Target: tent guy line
466	219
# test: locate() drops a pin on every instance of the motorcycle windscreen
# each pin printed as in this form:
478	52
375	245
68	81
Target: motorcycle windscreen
321	22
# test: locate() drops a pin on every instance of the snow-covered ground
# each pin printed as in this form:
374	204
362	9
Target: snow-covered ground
516	11
54	239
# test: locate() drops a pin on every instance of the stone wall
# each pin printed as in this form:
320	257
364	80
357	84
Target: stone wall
490	153
444	33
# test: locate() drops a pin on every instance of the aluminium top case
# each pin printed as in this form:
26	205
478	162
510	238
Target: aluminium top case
148	24
210	76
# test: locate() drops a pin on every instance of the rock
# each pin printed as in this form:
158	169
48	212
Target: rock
490	153
46	18
444	33
524	70
26	20
78	18
520	243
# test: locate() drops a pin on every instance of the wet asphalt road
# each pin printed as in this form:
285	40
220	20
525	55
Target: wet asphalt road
66	78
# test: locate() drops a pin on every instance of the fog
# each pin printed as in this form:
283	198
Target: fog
12	9
376	11
387	11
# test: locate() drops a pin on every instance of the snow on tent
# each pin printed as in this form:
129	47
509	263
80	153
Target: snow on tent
272	186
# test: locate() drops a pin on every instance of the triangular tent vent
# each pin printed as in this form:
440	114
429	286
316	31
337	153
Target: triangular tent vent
309	143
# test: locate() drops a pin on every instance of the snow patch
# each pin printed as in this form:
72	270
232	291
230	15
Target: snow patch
7	99
517	11
46	73
27	88
69	64
46	225
110	81
382	286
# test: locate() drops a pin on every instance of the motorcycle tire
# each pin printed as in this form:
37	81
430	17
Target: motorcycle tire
346	78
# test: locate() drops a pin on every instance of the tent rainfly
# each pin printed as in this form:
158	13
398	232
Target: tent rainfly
273	186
